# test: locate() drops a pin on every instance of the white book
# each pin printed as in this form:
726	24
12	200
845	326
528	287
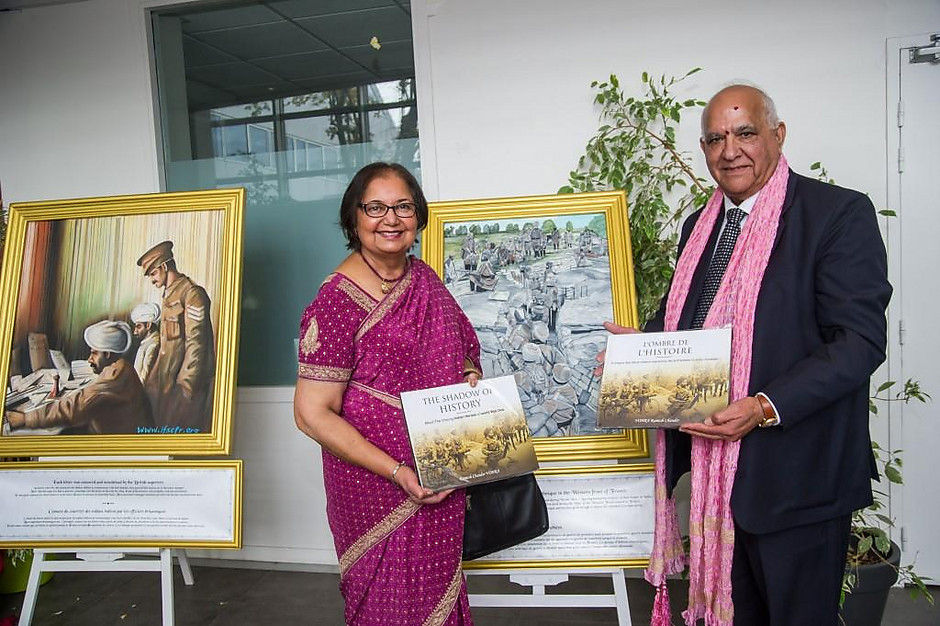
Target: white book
463	435
663	380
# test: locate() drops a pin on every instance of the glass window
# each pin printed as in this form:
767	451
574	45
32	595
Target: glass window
235	142
336	129
314	156
217	140
261	143
391	92
241	111
322	100
300	155
282	98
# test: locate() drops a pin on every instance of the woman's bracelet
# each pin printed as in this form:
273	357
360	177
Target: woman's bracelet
395	471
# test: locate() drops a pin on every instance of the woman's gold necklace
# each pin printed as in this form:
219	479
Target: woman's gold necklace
387	283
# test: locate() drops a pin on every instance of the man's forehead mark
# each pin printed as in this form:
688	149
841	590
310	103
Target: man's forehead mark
735	108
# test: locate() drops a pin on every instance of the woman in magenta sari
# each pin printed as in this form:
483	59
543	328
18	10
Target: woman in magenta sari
384	323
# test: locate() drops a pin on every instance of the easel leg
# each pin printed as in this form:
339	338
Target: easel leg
185	569
620	595
166	579
32	588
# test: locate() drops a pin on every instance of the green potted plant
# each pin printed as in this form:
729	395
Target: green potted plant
15	570
873	563
635	149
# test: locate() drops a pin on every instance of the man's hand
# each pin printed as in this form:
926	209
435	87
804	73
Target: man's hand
731	423
617	329
613	329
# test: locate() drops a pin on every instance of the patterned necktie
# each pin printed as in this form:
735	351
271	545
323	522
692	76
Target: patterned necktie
719	262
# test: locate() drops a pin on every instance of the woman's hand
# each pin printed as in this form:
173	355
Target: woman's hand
408	481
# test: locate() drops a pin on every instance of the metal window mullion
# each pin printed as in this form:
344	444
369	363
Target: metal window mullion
280	148
365	135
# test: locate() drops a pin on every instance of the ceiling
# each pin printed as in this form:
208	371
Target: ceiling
19	5
237	52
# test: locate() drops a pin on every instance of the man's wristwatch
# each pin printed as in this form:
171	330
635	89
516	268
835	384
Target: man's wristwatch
770	415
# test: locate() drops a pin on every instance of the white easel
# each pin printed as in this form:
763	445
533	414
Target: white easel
108	560
537	580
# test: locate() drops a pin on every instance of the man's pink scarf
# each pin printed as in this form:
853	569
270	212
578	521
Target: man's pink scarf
714	462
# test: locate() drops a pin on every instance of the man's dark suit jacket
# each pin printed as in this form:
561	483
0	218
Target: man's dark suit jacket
819	333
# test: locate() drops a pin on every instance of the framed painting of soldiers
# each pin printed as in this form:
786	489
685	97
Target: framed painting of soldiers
119	326
538	276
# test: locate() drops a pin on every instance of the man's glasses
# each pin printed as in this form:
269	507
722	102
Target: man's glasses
379	209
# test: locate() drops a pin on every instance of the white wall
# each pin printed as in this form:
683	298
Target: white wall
76	117
511	103
505	109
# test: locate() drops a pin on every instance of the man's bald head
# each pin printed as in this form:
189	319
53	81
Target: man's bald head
769	107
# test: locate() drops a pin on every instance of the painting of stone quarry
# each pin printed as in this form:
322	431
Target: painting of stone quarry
538	276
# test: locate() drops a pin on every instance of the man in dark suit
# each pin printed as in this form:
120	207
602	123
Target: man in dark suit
805	461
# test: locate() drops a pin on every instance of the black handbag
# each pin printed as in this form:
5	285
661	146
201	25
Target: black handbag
503	514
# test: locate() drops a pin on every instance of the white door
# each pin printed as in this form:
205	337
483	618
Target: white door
914	244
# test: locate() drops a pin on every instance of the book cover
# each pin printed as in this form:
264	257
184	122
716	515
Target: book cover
663	380
463	435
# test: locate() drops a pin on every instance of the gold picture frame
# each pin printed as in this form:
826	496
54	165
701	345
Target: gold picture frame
87	270
70	472
552	562
577	255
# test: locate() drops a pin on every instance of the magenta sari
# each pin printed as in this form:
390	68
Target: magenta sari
400	563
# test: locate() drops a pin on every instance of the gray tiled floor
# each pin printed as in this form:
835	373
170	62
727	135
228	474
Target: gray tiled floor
224	596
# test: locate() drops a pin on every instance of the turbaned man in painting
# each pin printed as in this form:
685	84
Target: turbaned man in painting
180	386
114	403
146	320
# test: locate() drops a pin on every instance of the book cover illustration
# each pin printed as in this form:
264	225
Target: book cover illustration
663	380
463	435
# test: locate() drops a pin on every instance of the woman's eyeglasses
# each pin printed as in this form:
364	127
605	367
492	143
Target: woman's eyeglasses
379	209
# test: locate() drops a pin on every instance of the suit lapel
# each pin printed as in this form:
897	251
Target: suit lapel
787	203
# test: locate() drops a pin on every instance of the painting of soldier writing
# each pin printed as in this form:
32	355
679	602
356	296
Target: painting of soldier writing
123	324
538	277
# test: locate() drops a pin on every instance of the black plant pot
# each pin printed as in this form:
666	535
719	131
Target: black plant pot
865	606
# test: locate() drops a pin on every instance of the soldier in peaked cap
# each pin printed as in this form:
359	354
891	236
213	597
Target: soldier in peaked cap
181	382
113	403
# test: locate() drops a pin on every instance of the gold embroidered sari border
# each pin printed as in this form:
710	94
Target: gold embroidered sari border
448	601
355	293
379	395
385	305
323	373
385	527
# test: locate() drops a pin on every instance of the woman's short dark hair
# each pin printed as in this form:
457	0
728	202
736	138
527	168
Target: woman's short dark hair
349	209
